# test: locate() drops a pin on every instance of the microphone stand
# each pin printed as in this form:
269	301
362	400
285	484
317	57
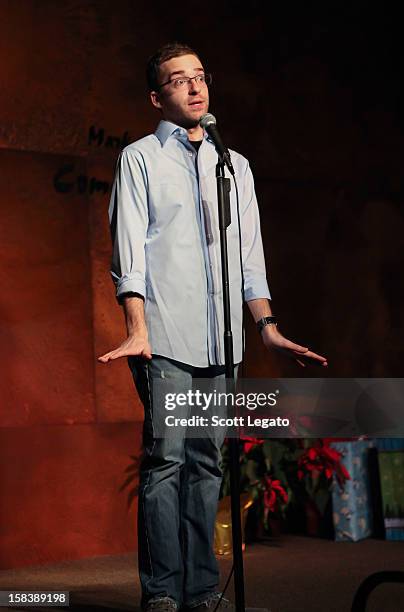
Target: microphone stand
223	197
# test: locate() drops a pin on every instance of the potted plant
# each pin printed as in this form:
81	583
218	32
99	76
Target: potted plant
263	478
316	467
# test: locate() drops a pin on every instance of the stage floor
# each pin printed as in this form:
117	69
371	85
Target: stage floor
287	574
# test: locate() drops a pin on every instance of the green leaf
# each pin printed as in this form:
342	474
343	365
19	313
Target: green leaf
251	470
321	500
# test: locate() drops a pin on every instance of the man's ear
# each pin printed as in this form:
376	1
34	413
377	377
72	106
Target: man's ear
154	97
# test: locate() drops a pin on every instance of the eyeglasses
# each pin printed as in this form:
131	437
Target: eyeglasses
182	82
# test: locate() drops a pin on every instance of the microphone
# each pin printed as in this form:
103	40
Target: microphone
208	123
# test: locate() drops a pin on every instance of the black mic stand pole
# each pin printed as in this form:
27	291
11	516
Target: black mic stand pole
223	197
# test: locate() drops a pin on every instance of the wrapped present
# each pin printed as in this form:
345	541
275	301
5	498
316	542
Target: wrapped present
391	467
352	510
383	444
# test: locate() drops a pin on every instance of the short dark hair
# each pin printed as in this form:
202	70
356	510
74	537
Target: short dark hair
165	53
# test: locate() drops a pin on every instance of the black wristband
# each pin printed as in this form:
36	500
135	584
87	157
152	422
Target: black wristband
266	321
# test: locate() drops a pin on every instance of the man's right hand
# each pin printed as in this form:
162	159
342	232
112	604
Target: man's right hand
133	345
137	342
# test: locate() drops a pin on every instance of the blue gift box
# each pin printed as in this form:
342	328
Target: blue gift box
352	512
386	444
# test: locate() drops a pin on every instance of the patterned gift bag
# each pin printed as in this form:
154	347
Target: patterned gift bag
352	513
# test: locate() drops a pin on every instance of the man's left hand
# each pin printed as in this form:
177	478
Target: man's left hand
273	339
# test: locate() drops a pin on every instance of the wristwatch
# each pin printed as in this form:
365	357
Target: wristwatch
266	321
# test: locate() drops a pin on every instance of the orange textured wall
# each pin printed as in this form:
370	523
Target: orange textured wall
69	427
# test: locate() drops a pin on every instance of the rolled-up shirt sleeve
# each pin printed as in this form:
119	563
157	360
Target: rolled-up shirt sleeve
255	280
128	215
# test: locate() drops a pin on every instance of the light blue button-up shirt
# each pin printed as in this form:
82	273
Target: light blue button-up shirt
166	244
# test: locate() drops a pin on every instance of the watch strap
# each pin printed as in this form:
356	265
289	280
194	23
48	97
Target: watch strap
266	321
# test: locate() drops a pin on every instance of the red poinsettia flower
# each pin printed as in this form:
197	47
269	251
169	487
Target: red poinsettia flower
250	442
273	494
322	459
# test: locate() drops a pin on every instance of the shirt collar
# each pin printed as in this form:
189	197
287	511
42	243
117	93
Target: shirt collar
165	129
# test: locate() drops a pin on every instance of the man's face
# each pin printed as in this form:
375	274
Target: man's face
184	105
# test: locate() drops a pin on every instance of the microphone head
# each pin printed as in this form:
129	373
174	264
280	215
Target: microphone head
206	120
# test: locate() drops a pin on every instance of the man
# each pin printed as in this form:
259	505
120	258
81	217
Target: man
166	267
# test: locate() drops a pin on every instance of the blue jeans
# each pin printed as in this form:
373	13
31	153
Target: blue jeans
179	486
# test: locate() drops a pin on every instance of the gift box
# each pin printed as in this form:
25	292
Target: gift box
391	468
352	509
383	444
